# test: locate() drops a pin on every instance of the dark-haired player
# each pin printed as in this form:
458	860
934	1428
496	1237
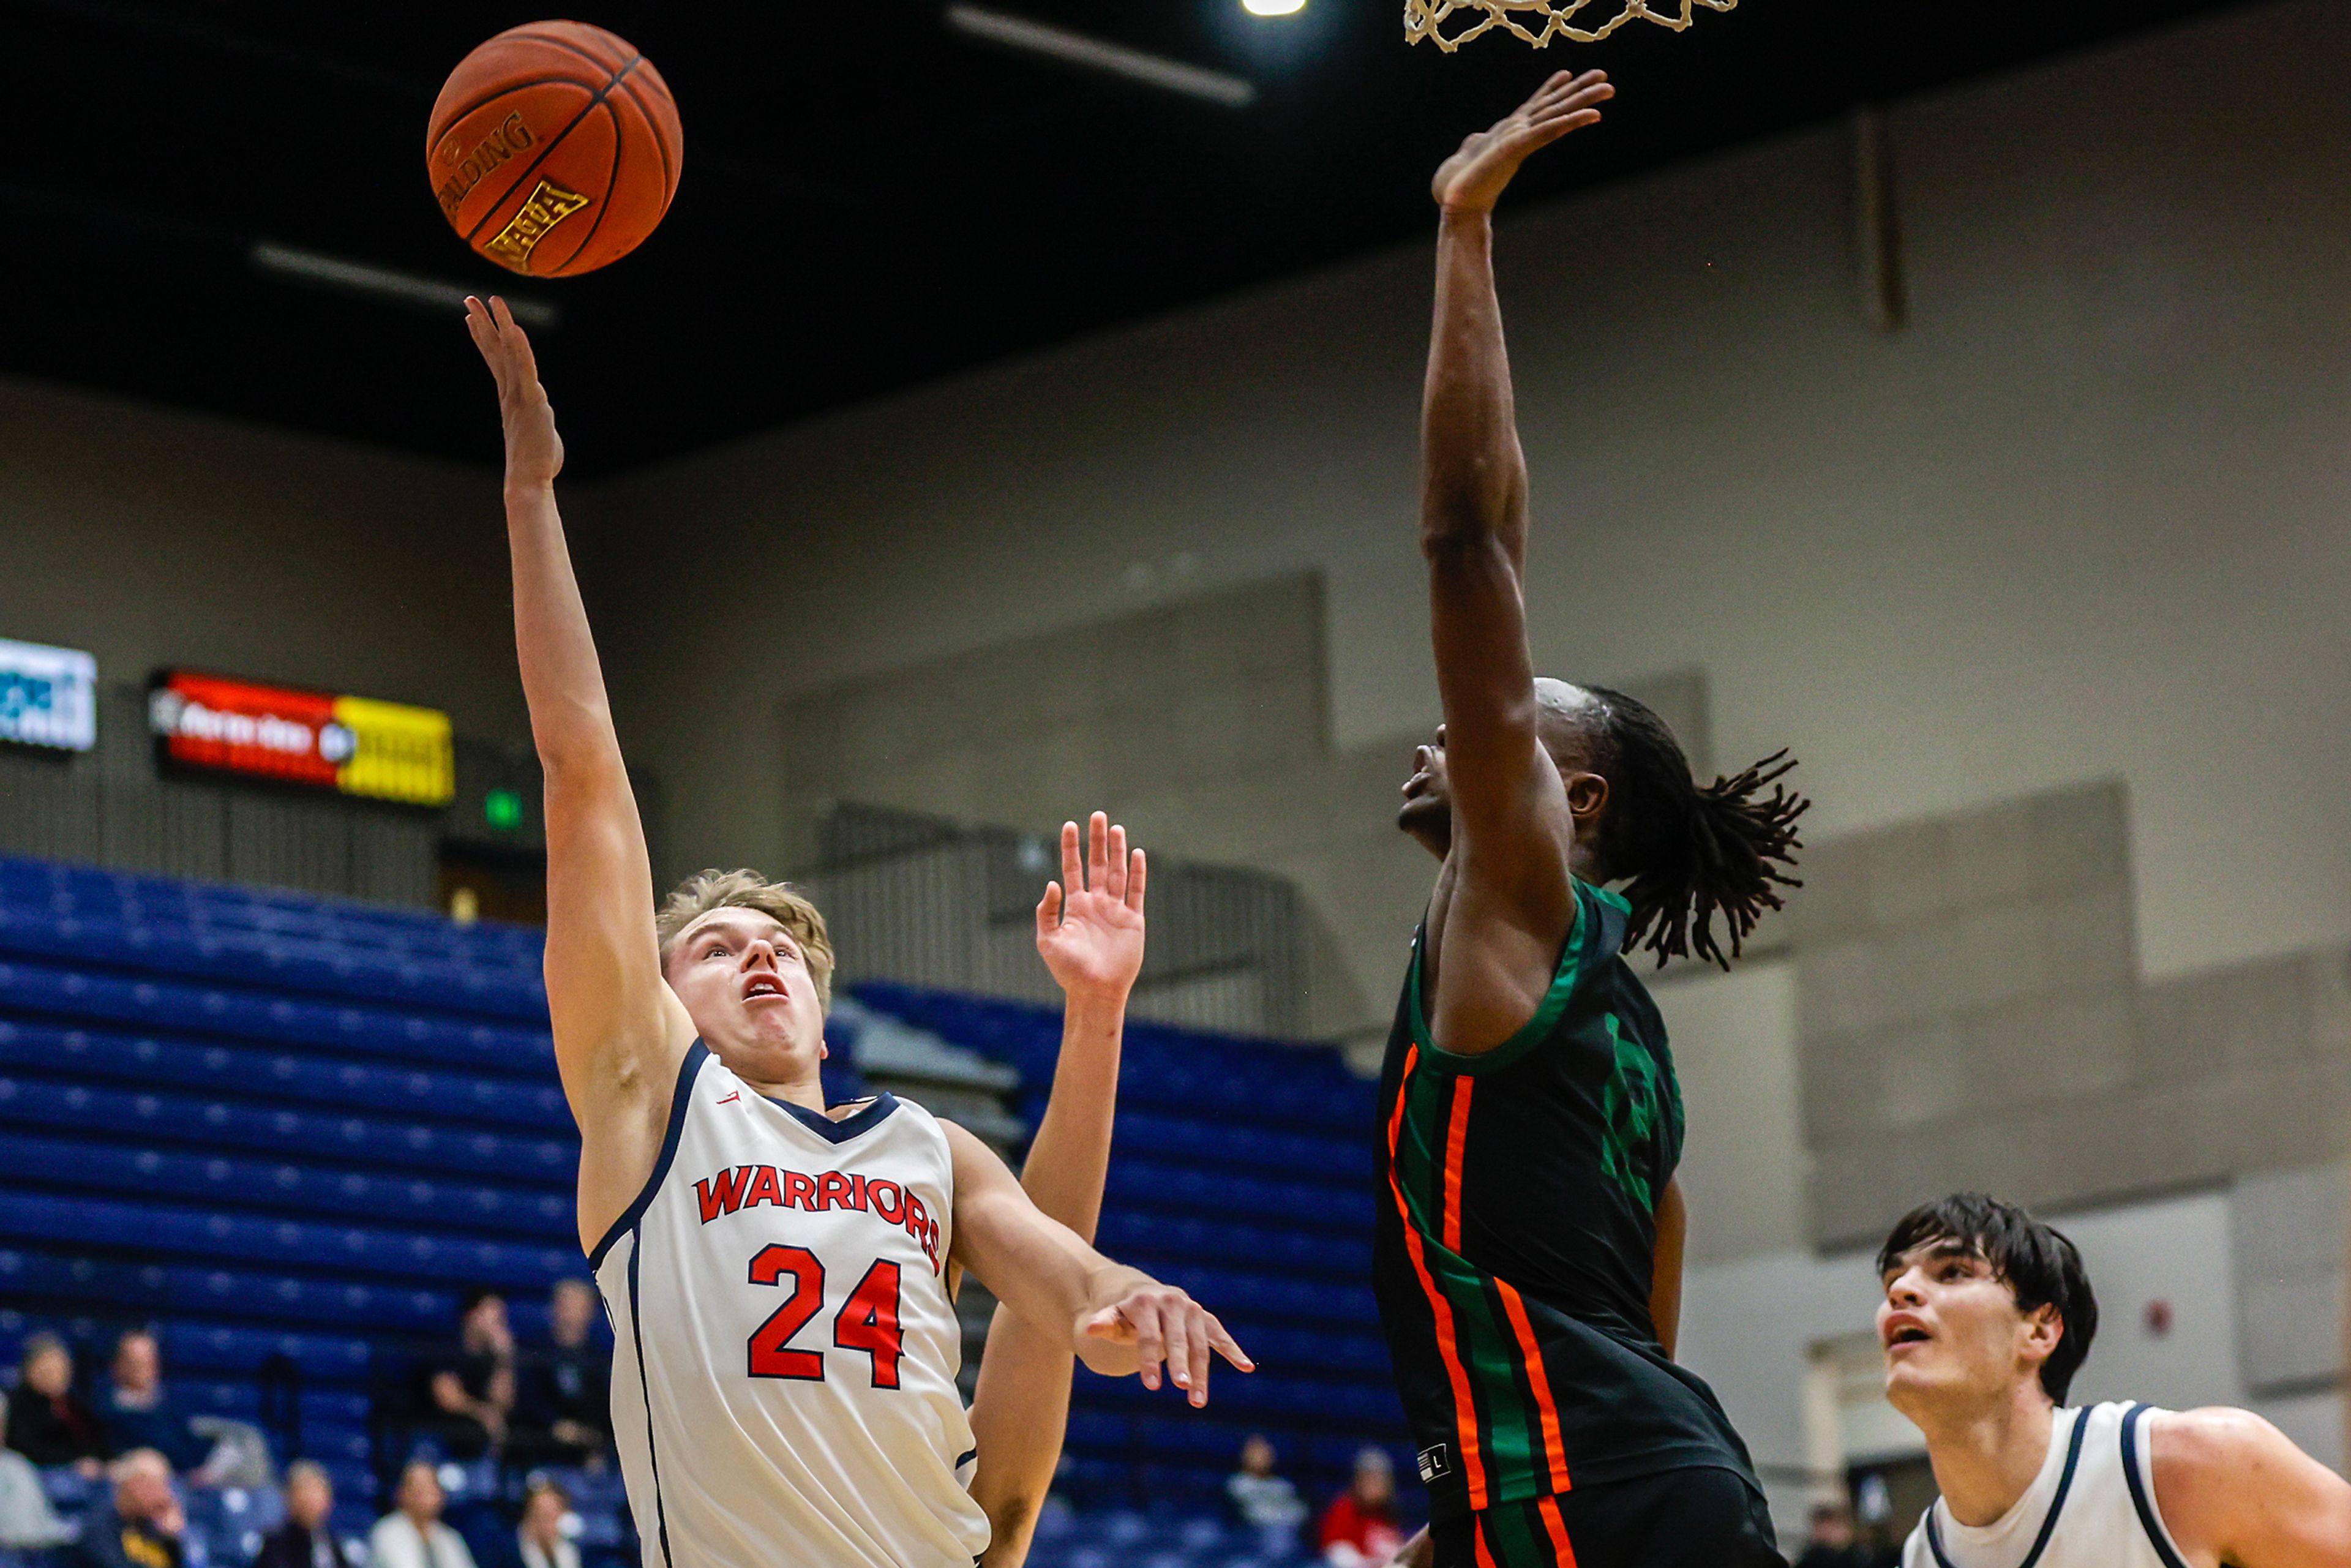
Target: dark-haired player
1987	1317
1529	1256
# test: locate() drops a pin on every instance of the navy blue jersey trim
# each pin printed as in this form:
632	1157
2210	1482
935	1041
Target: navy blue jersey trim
2156	1534
2056	1503
968	1455
848	1127
636	1210
637	1332
1935	1539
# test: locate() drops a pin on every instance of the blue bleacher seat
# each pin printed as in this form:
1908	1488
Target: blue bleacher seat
286	1126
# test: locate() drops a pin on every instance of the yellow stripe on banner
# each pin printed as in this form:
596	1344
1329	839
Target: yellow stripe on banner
403	753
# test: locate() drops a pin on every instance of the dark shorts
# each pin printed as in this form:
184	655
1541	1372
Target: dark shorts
1677	1519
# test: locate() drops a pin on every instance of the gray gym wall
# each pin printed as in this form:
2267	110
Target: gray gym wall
156	539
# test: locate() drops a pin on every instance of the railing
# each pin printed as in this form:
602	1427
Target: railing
931	903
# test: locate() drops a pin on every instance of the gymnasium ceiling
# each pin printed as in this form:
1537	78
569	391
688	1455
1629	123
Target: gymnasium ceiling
871	198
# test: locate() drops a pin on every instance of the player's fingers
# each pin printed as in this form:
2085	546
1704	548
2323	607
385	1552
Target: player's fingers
1196	1331
1563	84
1150	1340
1137	872
1072	869
1115	865
1224	1344
1110	1323
1179	1349
1097	848
1049	911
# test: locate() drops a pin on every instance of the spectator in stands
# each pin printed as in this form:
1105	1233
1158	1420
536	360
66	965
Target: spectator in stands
469	1388
140	1414
563	1399
49	1423
1833	1544
541	1539
1262	1500
28	1522
412	1535
304	1541
141	1526
1359	1529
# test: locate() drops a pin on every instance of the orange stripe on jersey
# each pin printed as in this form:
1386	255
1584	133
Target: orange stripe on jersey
1477	1535
1548	1508
1465	1412
1539	1380
1456	1134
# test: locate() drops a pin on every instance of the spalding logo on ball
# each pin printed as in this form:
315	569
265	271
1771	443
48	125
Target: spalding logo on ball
554	148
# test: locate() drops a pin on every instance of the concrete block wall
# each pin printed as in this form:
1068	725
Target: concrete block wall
2290	1231
1971	1015
1204	724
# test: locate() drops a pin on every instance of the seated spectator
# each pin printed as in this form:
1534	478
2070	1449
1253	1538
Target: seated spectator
49	1423
1833	1544
304	1541
469	1388
541	1539
563	1398
28	1522
1359	1529
1262	1500
412	1535
141	1524
140	1414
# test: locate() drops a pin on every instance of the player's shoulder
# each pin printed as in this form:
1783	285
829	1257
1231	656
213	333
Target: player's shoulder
2217	1437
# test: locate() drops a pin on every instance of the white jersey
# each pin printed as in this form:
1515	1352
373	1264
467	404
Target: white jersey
2091	1506
784	1372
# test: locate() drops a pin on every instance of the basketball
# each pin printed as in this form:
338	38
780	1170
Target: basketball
554	148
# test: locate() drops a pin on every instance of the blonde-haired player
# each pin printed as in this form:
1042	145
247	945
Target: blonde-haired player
776	1270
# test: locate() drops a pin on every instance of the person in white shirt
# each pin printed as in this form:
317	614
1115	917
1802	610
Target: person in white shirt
412	1535
28	1522
1987	1315
540	1537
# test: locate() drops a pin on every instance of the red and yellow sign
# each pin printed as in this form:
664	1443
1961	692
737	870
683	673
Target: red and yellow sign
386	751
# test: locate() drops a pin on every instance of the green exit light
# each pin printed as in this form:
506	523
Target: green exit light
502	808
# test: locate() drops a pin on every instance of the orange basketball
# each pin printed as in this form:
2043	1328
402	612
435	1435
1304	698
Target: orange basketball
554	148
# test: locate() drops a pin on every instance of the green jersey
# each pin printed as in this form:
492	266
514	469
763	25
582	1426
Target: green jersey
1518	1239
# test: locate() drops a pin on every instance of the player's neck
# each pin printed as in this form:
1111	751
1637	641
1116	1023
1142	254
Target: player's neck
805	1092
1987	1457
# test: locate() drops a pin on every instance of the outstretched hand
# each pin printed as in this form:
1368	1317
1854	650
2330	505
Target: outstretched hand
1152	1325
1090	924
1473	179
534	450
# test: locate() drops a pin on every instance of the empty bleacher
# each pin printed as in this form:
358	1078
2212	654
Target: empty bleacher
287	1131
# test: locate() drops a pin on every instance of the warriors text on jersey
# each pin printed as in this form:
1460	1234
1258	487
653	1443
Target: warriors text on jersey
1518	1236
784	1376
2091	1506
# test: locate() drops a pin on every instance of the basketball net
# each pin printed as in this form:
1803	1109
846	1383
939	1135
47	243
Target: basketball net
1537	21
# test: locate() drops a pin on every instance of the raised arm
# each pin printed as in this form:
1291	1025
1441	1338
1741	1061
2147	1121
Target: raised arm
619	1033
1091	936
1512	831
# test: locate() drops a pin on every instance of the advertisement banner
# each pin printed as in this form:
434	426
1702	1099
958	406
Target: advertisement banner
356	746
48	696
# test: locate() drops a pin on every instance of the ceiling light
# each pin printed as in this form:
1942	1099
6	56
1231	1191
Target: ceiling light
1096	54
1273	7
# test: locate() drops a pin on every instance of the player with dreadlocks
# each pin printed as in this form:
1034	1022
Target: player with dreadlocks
1528	1262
